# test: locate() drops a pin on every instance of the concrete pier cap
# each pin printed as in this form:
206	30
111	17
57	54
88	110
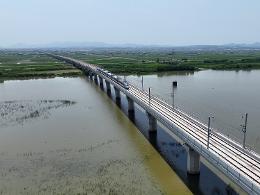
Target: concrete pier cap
193	161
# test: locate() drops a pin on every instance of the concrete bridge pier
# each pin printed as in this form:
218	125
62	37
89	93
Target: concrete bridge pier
91	76
101	82
86	72
117	93
152	123
95	79
108	86
193	161
131	107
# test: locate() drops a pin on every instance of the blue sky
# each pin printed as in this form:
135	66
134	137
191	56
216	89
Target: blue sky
170	22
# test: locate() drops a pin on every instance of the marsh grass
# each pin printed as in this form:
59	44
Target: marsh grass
19	112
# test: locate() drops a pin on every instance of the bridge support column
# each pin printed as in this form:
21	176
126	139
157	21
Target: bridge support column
108	86
95	79
193	161
101	82
152	123
117	92
131	107
90	76
86	72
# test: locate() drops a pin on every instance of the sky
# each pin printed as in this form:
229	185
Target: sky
164	22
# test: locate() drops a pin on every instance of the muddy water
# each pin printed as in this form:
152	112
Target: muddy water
64	135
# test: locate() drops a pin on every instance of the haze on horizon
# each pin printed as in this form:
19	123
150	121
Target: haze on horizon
165	22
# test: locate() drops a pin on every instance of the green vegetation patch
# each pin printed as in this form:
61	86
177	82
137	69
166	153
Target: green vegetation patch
27	64
149	60
32	64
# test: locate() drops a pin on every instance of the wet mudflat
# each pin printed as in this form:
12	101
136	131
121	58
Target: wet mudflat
63	136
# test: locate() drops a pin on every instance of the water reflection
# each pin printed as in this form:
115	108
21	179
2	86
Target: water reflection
168	73
194	182
171	73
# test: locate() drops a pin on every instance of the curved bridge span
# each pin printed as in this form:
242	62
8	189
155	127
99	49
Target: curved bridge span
240	165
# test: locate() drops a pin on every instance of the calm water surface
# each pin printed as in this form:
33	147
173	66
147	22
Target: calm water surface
86	146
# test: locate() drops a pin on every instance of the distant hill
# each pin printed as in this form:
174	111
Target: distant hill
256	44
67	45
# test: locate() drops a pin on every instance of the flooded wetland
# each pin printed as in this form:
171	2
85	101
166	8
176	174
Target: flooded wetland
65	136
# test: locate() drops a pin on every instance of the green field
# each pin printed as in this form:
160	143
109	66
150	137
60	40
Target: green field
167	59
34	64
25	64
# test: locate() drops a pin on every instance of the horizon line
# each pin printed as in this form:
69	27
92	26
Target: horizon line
96	44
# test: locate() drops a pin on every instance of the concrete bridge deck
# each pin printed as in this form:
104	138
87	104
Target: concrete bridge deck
240	165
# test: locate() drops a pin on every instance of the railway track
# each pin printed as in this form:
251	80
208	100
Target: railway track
249	166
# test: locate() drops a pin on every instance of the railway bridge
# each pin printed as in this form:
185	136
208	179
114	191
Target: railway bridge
242	166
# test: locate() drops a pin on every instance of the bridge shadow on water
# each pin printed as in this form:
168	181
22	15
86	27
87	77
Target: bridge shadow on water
207	182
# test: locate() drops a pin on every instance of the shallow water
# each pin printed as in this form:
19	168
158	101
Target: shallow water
226	95
86	146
